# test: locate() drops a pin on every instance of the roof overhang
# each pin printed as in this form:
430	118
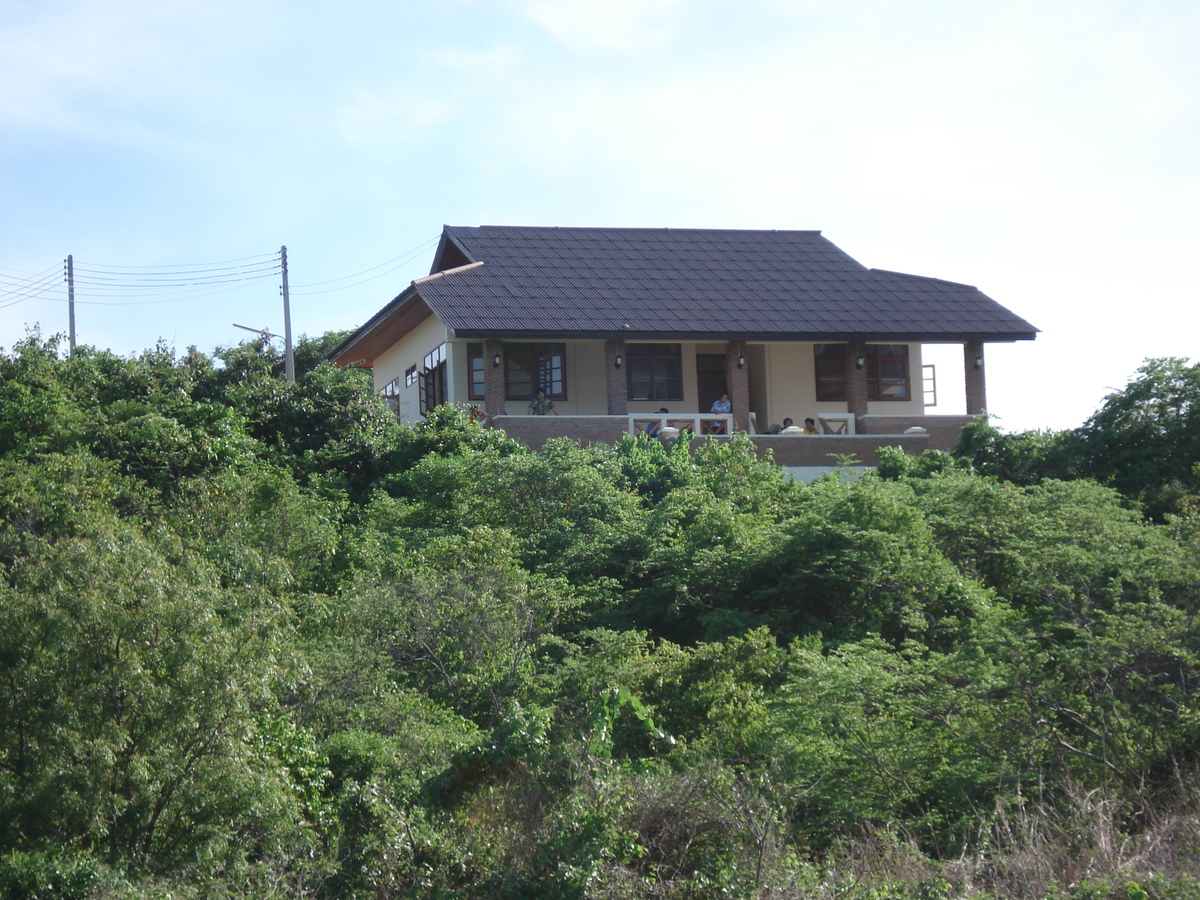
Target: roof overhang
382	330
754	337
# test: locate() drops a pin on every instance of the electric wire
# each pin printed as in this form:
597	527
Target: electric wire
345	287
132	285
212	265
168	297
404	257
29	288
106	283
30	274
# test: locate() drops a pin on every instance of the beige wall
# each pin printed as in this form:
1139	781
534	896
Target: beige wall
782	379
791	376
409	351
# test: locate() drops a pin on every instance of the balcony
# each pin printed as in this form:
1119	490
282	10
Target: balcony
788	450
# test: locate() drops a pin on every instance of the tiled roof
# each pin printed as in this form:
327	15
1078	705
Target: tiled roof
692	284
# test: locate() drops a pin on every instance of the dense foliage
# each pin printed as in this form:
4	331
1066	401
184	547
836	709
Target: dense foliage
260	640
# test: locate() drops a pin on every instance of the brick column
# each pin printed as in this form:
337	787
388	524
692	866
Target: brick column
738	380
976	387
856	380
493	378
615	383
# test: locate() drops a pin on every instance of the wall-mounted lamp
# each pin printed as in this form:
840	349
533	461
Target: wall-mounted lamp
620	360
741	362
860	362
979	362
496	361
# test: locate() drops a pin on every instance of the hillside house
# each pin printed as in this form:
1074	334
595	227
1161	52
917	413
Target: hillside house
615	324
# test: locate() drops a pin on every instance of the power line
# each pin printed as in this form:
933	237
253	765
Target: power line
133	285
227	262
29	289
45	271
100	275
400	260
104	283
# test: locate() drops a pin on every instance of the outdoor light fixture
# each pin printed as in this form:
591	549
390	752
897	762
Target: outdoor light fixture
741	362
496	361
619	360
860	362
979	362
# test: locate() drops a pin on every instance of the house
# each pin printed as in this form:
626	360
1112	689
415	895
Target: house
614	324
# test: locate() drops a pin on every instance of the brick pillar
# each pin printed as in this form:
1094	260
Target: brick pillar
976	387
493	378
738	380
856	381
615	382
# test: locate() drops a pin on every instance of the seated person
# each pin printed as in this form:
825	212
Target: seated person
810	426
778	429
719	407
652	429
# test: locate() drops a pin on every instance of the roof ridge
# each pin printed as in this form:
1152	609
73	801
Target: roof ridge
924	278
453	271
639	228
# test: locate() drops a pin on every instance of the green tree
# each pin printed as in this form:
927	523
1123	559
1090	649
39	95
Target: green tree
1145	439
134	694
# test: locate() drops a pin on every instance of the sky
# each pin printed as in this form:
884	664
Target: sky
1046	152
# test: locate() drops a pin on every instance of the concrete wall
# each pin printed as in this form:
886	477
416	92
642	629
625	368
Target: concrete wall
943	430
805	450
534	431
410	351
802	450
791	375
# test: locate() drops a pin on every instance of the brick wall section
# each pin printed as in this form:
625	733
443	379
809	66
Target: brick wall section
976	383
534	431
856	381
493	378
787	450
815	449
739	384
943	430
616	384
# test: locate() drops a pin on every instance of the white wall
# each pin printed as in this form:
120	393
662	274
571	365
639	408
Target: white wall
409	351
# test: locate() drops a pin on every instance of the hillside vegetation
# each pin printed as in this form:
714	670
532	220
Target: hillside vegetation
258	640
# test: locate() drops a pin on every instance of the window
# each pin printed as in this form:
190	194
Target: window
886	365
890	372
391	395
410	376
655	371
432	380
529	368
476	389
435	357
831	371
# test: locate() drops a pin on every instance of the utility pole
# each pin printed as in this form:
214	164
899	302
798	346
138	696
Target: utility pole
70	270
289	363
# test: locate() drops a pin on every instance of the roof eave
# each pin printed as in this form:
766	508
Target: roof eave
754	336
380	331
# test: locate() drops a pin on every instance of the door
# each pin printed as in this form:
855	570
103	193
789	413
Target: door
710	379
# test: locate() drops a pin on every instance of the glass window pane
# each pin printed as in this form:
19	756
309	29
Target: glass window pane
654	371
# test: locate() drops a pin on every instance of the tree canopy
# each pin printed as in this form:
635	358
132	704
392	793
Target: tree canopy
261	640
